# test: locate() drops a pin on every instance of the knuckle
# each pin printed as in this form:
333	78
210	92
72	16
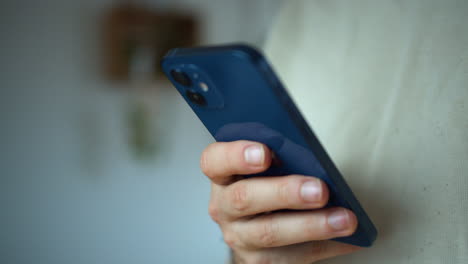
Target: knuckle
264	260
239	197
261	258
268	232
230	238
283	193
204	162
213	212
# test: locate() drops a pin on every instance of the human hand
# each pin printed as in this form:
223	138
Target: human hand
247	210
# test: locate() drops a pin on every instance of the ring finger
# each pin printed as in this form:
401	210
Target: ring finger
287	228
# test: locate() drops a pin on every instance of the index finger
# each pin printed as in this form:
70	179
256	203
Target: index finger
223	161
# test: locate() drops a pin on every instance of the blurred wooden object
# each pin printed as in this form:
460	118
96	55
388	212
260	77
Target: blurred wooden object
132	34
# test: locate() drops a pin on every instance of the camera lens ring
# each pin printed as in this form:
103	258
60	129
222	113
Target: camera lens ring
196	98
181	77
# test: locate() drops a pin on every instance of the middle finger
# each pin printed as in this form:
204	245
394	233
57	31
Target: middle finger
263	194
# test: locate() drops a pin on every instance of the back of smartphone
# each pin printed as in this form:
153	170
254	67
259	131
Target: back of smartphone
237	96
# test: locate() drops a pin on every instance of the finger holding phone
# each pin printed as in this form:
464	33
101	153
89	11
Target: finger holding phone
249	214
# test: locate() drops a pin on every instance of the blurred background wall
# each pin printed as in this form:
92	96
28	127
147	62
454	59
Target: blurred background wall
71	190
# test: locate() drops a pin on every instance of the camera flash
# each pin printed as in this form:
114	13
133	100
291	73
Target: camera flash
203	86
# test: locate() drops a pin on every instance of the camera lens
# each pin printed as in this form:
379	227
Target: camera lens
196	98
181	77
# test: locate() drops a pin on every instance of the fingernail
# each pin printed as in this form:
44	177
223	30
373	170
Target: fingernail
254	155
338	220
311	190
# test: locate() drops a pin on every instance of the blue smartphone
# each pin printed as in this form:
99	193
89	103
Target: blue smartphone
237	96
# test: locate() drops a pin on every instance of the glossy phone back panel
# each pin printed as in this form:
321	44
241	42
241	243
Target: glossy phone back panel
246	101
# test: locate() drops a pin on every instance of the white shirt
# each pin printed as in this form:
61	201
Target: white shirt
384	84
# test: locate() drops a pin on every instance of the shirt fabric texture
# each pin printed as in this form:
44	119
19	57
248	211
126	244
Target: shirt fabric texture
384	85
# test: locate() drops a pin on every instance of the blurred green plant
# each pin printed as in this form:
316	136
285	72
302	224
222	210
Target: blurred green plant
142	133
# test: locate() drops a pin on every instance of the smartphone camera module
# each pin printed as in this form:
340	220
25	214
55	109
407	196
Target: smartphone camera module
196	86
196	98
181	77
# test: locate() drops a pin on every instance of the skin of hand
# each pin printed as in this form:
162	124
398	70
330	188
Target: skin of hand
251	215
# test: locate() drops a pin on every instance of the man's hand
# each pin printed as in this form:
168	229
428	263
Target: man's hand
247	209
